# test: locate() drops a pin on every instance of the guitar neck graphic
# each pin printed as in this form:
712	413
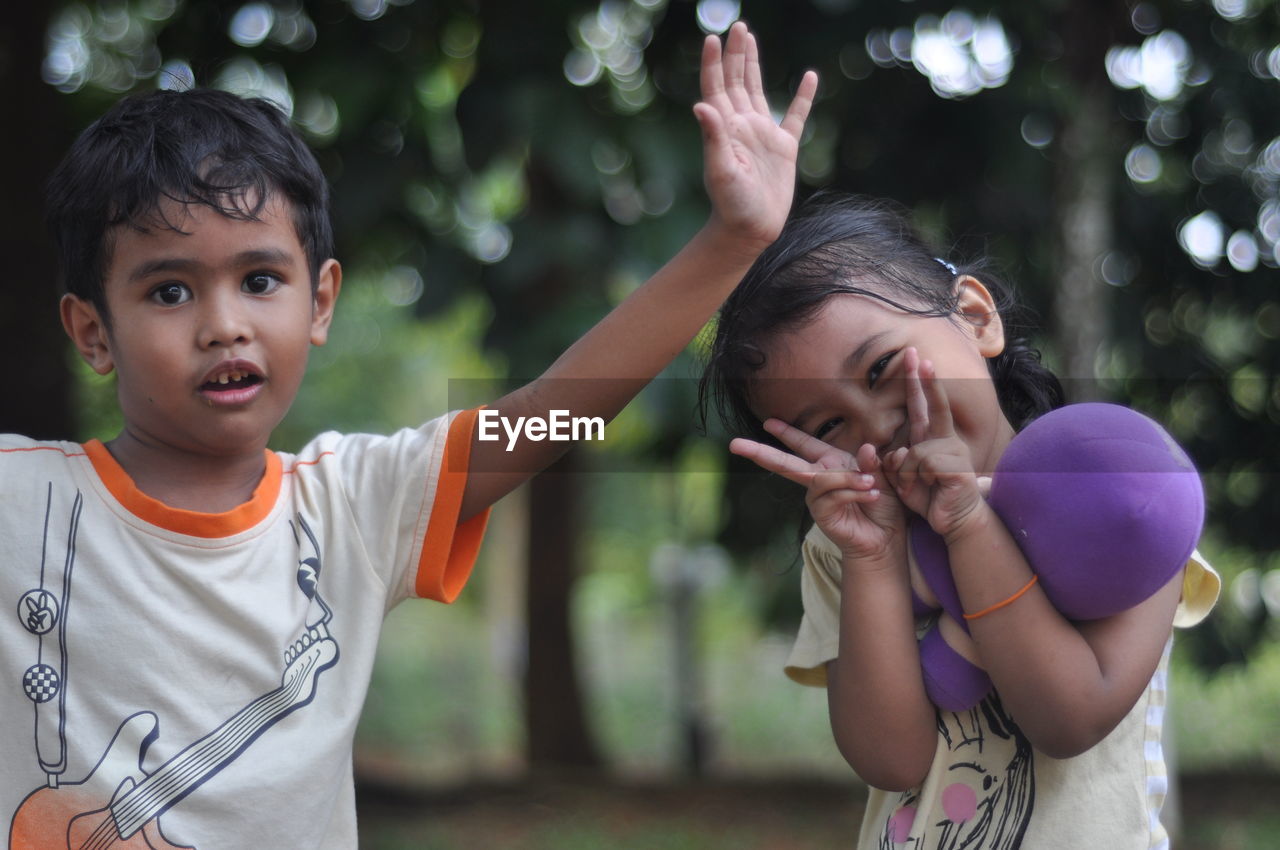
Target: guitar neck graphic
116	802
188	769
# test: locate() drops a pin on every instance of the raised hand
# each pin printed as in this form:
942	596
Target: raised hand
847	496
934	476
749	159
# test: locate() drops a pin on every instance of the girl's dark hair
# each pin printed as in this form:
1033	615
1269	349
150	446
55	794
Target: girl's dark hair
842	244
201	146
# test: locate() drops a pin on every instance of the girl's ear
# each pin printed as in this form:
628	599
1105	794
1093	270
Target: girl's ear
88	332
975	304
328	285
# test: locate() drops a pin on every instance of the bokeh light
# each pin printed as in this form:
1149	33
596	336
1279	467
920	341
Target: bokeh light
1201	236
1143	164
960	55
718	15
1160	66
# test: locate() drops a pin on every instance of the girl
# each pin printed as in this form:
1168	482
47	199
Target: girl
897	381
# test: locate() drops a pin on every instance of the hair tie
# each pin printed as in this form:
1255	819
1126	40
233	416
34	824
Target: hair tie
947	266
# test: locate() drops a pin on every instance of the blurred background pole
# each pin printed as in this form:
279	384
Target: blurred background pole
684	574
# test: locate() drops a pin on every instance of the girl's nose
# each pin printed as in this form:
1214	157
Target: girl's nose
884	428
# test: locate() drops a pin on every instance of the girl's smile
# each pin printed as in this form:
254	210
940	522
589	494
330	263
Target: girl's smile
840	377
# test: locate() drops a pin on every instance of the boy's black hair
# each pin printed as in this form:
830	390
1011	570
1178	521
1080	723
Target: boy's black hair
201	146
841	244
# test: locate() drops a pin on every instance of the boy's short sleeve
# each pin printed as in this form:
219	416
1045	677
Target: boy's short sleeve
402	493
819	637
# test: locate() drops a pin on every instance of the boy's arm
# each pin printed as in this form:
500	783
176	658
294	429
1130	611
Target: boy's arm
749	174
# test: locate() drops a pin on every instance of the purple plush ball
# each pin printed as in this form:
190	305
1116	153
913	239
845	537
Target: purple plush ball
1104	504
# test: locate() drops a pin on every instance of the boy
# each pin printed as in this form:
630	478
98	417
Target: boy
197	615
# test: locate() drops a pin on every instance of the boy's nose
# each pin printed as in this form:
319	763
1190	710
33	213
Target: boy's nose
224	322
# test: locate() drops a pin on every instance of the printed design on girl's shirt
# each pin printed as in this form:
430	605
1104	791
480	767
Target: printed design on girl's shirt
988	790
119	804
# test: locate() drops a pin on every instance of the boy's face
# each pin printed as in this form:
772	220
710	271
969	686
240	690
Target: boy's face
210	327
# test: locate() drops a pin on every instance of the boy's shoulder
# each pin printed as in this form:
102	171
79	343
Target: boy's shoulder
15	448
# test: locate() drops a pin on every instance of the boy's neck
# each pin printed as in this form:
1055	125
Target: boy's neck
187	481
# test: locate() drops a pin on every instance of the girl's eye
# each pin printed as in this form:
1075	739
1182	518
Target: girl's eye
260	283
826	427
171	294
878	368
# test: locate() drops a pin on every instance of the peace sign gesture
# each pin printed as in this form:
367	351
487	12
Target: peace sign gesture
750	159
847	495
934	476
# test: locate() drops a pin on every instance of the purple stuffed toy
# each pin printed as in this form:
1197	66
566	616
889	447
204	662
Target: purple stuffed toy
1105	506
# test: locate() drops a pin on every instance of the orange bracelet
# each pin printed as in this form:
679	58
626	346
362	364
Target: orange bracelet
996	607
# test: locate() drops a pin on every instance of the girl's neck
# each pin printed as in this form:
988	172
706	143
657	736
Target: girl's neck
999	442
186	480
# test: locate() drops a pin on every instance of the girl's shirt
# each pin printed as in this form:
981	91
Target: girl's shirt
988	788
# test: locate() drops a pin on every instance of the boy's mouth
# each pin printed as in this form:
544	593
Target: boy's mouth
230	381
234	383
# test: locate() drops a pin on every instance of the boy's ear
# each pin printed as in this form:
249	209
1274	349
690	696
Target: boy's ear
977	307
88	332
325	298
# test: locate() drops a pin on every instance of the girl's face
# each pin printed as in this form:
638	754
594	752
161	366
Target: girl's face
841	377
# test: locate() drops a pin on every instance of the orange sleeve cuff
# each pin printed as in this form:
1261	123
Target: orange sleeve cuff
449	549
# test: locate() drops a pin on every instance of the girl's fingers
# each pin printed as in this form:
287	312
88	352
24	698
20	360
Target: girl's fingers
797	469
808	447
917	403
868	460
774	460
939	409
841	479
833	501
900	470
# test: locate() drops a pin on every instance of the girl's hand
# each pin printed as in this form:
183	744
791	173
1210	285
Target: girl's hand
750	160
934	476
847	495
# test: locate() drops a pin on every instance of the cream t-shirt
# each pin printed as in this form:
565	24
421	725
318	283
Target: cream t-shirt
987	788
195	679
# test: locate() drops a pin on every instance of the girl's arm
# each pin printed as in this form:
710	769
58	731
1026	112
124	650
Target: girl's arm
750	176
883	723
1066	684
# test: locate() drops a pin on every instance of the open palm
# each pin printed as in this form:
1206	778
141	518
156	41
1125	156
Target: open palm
750	159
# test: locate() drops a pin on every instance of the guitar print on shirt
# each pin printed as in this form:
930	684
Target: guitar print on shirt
118	805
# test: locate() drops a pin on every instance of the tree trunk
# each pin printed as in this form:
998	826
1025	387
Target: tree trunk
32	345
558	737
1083	195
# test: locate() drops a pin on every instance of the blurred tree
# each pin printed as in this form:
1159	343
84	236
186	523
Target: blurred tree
38	401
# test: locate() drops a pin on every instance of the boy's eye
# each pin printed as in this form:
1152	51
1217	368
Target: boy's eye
878	368
171	294
260	283
826	427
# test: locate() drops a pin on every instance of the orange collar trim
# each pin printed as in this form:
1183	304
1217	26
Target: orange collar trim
192	523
